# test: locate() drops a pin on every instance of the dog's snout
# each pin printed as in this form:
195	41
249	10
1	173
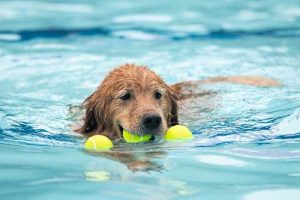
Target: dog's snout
151	121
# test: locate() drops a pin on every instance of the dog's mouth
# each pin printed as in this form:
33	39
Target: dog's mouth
122	129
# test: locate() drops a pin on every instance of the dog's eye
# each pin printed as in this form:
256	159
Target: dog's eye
157	95
126	96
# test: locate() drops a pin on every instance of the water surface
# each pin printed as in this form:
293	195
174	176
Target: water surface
53	54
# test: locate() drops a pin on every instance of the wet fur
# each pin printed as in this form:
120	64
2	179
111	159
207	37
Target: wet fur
104	112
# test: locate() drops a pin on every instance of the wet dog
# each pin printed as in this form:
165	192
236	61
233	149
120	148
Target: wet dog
135	98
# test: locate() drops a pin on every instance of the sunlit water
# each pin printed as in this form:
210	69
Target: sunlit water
53	54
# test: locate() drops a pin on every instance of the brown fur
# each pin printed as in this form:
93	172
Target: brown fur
106	112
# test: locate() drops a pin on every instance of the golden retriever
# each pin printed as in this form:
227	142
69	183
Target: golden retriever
134	98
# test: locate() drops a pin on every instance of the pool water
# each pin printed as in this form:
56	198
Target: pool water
53	54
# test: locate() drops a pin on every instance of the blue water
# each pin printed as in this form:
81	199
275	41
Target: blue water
53	54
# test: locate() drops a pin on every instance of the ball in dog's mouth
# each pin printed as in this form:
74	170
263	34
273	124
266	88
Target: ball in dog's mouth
132	137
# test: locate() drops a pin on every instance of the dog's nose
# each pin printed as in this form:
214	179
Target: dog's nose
151	121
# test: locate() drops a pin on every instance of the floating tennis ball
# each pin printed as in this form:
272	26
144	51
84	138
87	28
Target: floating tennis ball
132	138
98	143
178	132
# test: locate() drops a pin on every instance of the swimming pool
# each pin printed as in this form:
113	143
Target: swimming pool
247	139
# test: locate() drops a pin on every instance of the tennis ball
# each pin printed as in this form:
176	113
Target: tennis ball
98	143
132	138
178	132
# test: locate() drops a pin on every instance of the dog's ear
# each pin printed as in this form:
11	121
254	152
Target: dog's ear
89	121
93	121
173	116
96	120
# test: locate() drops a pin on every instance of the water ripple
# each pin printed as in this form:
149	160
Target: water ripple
151	33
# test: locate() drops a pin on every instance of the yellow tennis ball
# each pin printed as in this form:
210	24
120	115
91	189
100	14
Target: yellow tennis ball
133	138
98	143
178	132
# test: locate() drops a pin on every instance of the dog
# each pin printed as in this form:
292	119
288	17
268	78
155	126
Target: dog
136	99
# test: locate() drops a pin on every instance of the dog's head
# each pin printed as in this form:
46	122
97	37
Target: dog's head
132	98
